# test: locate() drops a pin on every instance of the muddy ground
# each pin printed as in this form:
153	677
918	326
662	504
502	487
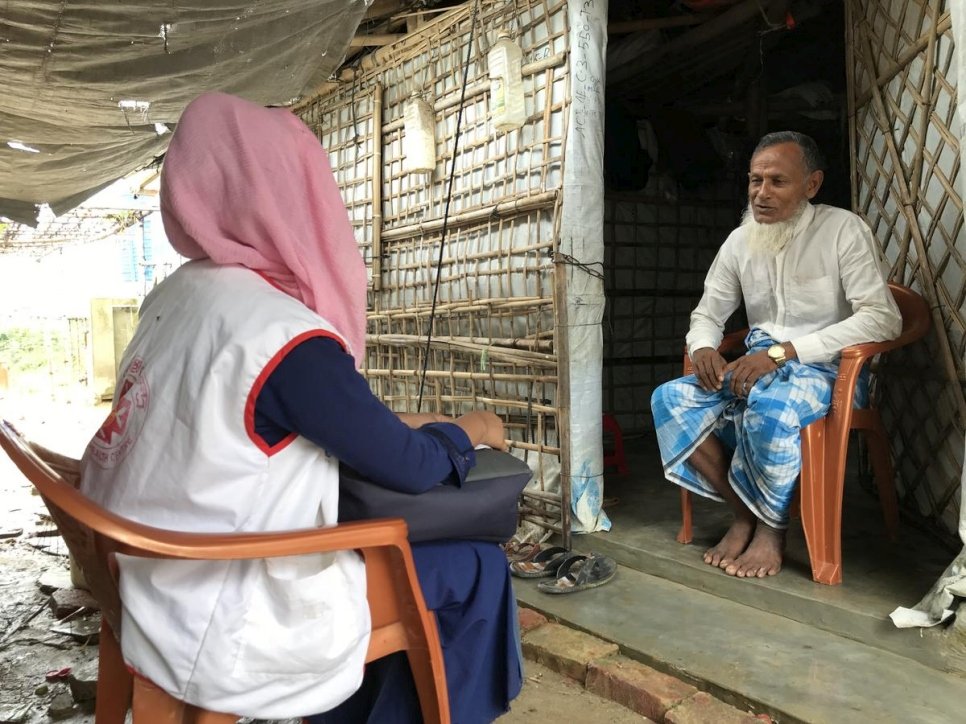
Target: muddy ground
48	666
41	656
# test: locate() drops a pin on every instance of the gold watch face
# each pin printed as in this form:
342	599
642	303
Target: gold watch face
777	352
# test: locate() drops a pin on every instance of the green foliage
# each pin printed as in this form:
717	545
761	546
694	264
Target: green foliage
23	349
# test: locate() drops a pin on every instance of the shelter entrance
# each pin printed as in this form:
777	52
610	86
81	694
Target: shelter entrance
688	97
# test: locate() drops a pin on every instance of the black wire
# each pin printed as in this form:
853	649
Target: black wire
449	197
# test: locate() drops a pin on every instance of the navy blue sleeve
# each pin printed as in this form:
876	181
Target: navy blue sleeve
316	392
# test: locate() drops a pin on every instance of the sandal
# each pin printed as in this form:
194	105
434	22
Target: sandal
517	551
545	563
581	572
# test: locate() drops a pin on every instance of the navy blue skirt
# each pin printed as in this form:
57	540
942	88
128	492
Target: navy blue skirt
467	584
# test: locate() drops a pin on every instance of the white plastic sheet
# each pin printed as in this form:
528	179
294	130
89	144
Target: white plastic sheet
582	244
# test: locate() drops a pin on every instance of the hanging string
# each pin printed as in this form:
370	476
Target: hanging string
449	197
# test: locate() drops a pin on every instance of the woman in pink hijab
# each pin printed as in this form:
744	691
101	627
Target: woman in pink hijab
237	399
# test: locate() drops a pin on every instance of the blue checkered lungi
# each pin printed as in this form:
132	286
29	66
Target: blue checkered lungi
762	430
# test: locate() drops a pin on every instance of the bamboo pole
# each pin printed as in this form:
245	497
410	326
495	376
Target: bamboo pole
377	172
927	278
927	92
460	375
543	496
504	208
910	54
375	40
517	356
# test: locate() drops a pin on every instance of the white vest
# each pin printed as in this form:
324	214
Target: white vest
271	638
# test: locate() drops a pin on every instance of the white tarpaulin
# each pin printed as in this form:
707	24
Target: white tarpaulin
582	253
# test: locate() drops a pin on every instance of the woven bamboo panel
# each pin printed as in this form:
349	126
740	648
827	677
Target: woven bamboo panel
905	184
657	253
493	324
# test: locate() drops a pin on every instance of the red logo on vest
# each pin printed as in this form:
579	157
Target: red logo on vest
120	430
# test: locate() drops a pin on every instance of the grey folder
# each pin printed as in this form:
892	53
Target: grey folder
484	508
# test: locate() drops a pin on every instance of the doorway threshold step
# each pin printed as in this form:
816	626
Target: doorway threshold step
751	658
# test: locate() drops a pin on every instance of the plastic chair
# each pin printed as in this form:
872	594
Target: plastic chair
825	446
400	619
614	457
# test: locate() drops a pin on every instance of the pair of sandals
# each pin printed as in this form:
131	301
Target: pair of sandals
571	571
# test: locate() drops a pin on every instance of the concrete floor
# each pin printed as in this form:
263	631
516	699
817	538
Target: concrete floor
799	650
878	574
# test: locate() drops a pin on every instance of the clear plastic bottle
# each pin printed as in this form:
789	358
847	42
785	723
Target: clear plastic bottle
419	135
505	61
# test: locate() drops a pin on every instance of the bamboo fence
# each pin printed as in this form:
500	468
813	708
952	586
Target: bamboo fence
493	328
906	162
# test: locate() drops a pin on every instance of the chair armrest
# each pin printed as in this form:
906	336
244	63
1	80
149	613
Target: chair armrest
870	349
149	542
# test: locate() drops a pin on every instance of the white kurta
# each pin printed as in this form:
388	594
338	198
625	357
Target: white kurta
824	291
269	639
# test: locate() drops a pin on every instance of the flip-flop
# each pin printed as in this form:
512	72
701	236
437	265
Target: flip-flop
581	572
517	551
543	564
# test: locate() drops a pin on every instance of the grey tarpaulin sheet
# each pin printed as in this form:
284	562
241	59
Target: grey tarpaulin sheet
89	91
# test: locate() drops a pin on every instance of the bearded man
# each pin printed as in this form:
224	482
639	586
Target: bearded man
813	282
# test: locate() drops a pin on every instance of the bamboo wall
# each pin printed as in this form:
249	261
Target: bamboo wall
906	166
493	344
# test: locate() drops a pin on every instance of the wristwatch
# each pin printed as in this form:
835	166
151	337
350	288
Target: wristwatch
776	353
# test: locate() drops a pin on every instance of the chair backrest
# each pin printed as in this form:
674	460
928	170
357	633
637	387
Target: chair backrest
916	319
400	619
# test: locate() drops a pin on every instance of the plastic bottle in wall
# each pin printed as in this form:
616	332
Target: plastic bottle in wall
419	135
505	61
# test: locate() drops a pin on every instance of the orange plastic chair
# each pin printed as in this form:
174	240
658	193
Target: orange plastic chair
825	445
614	456
400	619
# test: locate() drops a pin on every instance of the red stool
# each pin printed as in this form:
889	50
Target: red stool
615	456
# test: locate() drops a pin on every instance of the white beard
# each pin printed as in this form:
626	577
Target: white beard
769	239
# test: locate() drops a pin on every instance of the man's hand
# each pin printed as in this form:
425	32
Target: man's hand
709	368
746	370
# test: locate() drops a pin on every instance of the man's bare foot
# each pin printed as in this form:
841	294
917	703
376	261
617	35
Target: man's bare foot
732	544
762	557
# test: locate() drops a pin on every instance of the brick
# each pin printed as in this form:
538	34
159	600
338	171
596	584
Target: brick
65	601
703	708
565	650
530	619
636	686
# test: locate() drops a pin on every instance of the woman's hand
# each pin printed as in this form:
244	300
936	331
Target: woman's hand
483	428
416	420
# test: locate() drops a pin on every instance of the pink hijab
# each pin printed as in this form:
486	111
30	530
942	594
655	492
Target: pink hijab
243	184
